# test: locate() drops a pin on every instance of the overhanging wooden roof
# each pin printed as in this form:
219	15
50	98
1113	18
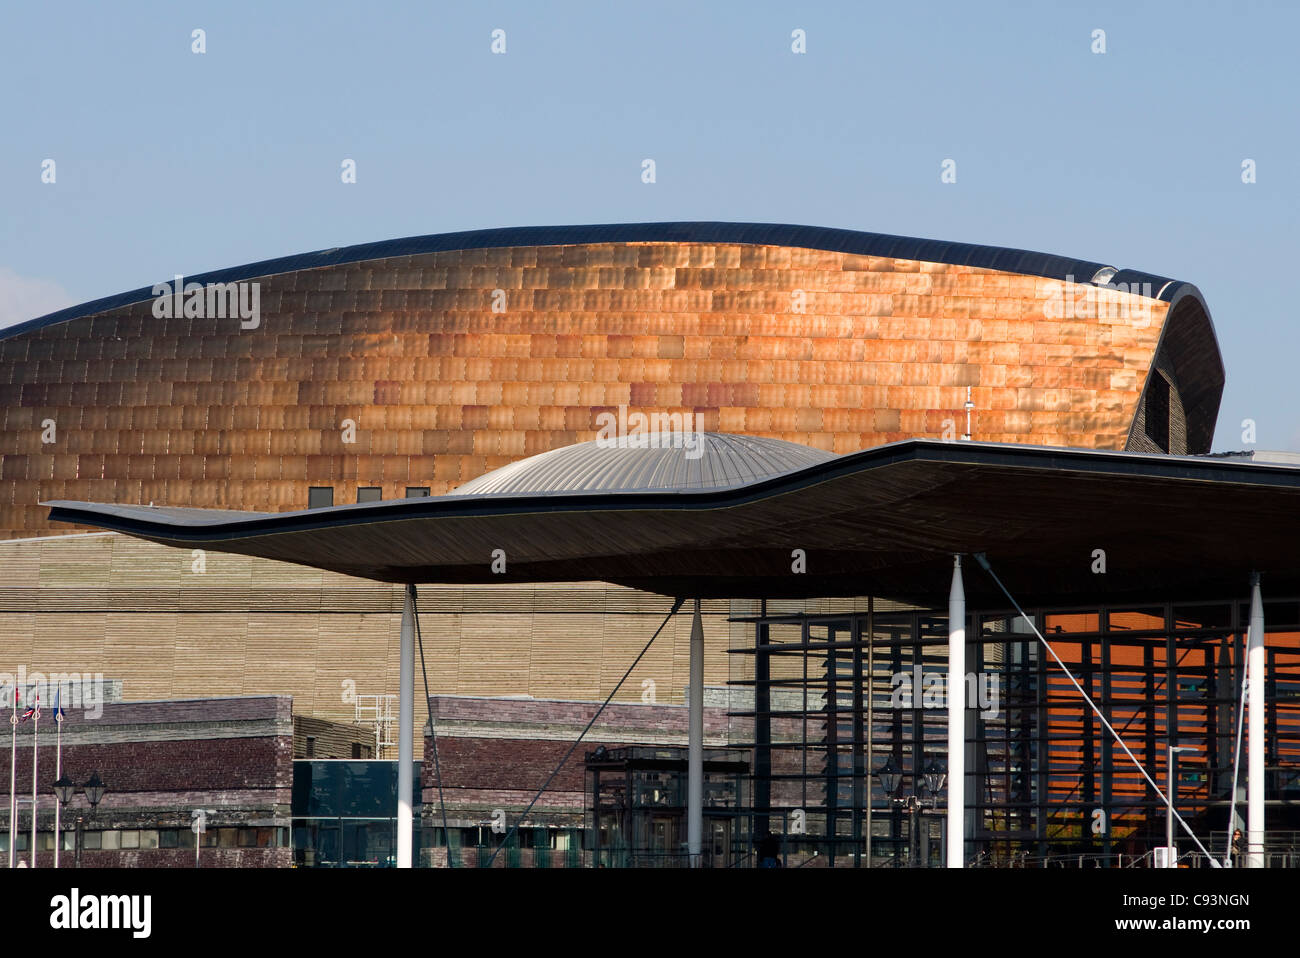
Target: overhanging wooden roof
882	522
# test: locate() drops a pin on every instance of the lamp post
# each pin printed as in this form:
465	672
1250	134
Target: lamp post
1171	860
64	790
932	780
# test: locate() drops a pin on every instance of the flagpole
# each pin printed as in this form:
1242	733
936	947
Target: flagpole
58	768
36	729
13	781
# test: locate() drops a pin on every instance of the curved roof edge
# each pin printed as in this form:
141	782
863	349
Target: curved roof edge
184	524
1188	340
1009	260
886	520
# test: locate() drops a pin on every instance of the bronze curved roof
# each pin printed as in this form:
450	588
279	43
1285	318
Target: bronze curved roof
1002	258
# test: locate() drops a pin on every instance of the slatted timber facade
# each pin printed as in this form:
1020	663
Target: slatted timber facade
137	612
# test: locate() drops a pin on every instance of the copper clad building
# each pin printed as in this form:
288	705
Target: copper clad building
416	365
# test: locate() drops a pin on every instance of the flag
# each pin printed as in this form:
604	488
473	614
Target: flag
32	710
58	710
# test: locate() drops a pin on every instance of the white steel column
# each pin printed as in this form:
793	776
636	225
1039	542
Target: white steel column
1255	742
695	744
956	718
406	731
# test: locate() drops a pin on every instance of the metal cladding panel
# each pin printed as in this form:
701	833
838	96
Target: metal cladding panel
759	234
710	460
429	362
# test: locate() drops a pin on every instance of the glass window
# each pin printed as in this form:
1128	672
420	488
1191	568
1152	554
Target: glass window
248	838
168	837
227	837
369	494
1124	620
130	838
149	838
417	492
320	497
340	787
1202	616
92	840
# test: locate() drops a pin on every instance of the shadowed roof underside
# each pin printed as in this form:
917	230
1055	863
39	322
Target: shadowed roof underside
883	522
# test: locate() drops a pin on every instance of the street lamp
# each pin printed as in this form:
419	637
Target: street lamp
935	776
890	777
1171	860
64	789
95	790
931	779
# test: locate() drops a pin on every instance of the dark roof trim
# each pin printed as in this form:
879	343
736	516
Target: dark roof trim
755	234
182	525
1189	343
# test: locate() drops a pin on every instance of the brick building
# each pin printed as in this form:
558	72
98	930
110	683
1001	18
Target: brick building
162	762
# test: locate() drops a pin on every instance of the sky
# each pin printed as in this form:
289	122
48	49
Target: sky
170	161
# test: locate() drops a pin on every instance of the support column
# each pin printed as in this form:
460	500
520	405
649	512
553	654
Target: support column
406	731
957	718
695	745
762	732
1255	743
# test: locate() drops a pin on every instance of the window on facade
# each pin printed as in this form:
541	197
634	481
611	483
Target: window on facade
227	837
248	838
1156	410
92	840
320	497
130	838
311	746
356	749
169	837
149	838
369	494
417	492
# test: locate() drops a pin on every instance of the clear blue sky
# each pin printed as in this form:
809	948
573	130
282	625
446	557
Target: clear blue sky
169	162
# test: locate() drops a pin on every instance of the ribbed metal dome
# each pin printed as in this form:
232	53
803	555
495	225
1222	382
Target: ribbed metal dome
719	460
